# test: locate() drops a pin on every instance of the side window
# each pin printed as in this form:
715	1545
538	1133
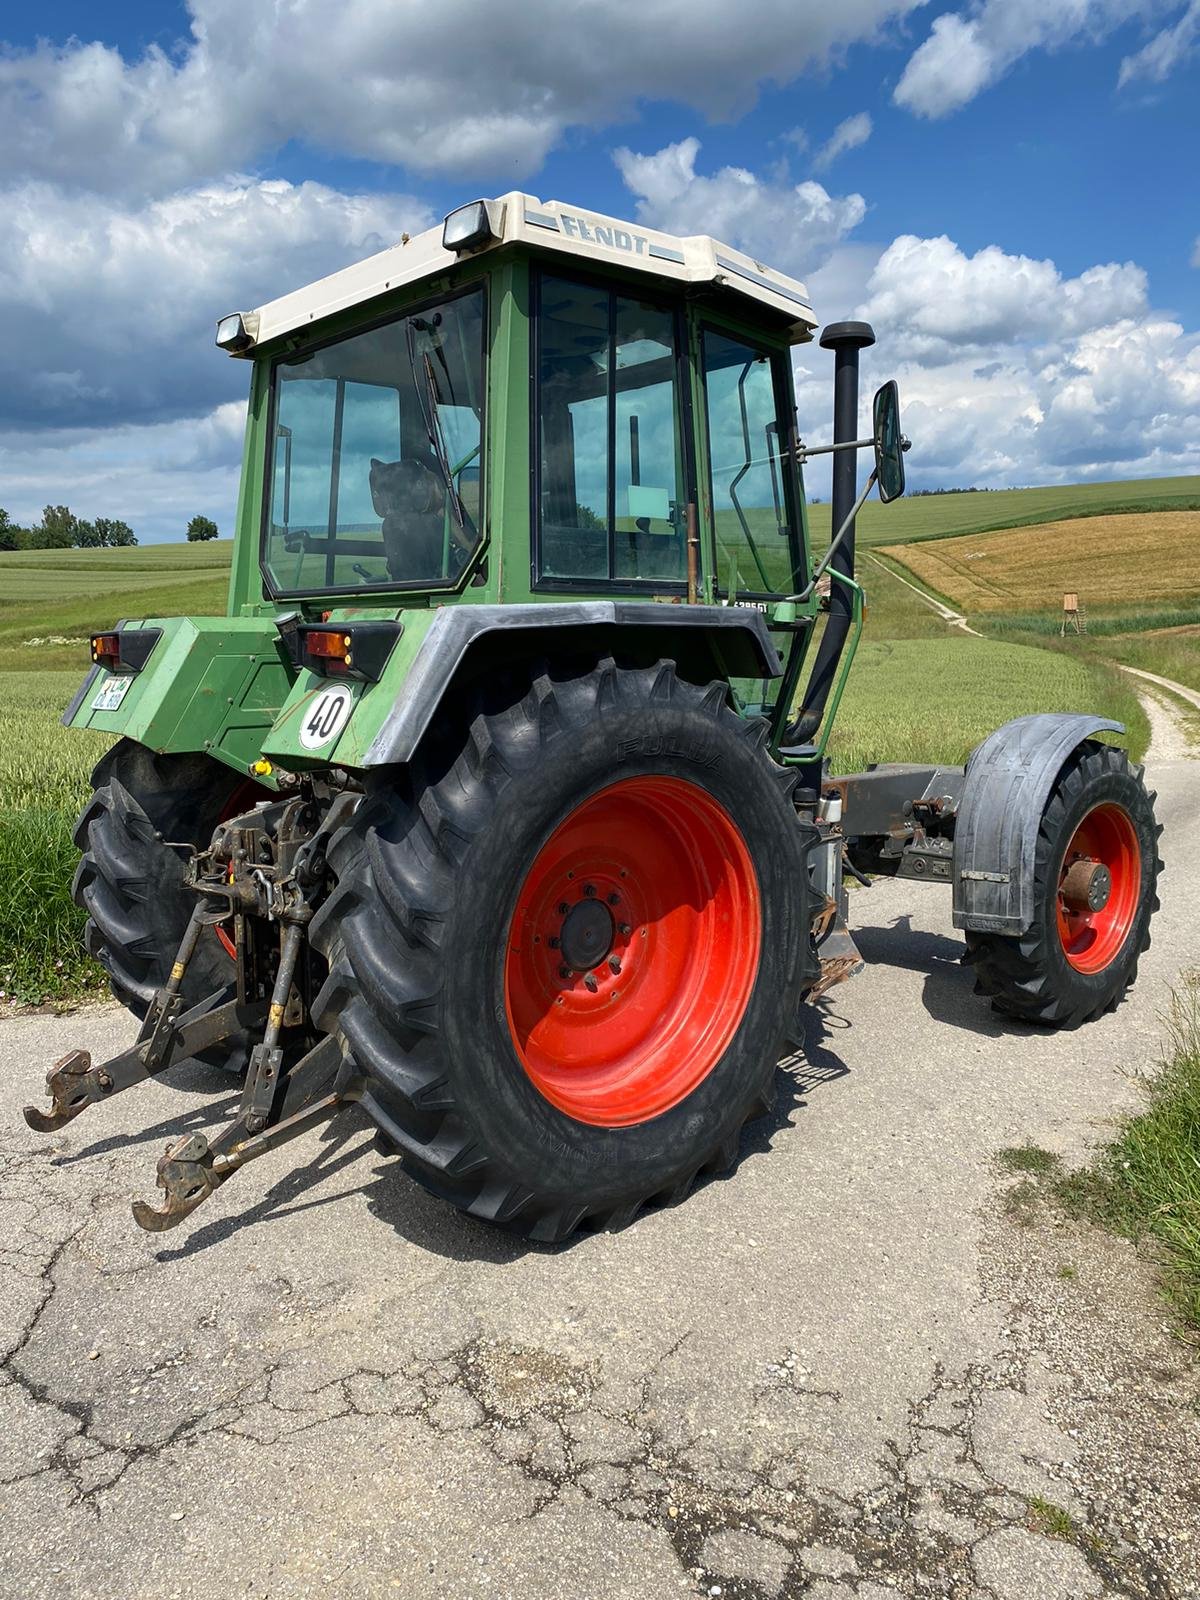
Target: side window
611	485
758	550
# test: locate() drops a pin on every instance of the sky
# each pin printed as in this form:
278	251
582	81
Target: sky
1009	190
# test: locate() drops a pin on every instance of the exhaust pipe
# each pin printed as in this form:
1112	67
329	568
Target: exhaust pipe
845	339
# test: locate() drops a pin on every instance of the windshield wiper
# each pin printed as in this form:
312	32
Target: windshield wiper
428	399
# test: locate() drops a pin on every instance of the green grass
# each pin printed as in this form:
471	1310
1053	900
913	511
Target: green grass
934	699
1048	1518
943	516
43	784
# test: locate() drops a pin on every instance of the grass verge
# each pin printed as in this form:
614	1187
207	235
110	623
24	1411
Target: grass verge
1145	1185
43	785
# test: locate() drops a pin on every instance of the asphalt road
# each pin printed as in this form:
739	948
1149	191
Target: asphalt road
843	1370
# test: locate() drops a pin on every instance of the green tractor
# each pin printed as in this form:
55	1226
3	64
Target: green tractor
497	803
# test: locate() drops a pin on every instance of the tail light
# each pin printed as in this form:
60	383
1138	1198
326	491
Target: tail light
347	649
124	650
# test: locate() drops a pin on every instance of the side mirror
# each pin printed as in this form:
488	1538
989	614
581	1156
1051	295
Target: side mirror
890	443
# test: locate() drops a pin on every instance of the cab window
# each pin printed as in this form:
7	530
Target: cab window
758	544
375	464
610	483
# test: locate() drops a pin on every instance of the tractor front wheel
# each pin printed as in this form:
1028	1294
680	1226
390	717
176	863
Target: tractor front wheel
1096	868
565	948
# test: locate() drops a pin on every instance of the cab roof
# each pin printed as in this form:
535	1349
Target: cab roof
552	229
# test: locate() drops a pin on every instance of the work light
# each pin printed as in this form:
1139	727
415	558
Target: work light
236	332
468	227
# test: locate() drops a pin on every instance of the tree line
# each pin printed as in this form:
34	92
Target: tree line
61	529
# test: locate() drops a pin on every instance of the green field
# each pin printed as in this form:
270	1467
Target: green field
917	692
941	516
65	595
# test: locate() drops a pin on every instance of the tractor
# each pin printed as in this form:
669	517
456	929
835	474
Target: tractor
497	804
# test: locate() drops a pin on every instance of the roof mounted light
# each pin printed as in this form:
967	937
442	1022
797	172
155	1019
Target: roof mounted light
237	332
471	226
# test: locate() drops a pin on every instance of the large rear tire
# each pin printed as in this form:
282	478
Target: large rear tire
565	948
130	880
1096	868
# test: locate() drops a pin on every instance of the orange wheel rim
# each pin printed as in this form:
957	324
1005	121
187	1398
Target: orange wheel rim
632	951
1099	888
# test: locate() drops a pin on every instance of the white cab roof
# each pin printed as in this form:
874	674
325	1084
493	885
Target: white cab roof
554	228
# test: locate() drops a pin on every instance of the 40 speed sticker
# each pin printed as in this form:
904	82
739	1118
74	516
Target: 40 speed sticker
326	716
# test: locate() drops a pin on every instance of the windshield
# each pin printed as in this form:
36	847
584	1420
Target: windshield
376	463
759	550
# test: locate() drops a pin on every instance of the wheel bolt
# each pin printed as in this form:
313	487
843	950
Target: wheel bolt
590	984
564	972
563	908
589	889
613	964
623	927
614	899
552	942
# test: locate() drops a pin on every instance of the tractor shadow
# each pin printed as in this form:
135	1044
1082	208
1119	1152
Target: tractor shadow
432	1225
948	993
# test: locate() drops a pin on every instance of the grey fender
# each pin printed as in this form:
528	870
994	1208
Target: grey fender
1008	781
730	640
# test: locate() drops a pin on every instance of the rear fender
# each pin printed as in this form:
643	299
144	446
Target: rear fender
1008	781
383	723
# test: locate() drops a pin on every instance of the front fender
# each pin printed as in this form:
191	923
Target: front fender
1008	781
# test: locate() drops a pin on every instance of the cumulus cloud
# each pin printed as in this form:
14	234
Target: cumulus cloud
1013	373
462	86
1156	60
109	309
848	135
938	301
969	50
793	226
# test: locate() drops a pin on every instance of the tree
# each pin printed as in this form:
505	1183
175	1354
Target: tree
59	529
8	533
201	528
113	534
88	535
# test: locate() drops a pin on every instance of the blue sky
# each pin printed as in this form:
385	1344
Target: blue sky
1014	200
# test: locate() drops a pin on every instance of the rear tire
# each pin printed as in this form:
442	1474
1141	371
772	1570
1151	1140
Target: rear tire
1075	962
521	1095
130	881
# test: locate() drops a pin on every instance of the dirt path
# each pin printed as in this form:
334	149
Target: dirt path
952	618
1174	734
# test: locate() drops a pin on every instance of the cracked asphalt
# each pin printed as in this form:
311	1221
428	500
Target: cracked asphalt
841	1371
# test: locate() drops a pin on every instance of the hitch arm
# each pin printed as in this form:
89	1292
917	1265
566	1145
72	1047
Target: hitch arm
192	1168
74	1083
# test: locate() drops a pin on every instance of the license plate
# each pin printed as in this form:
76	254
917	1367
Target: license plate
111	695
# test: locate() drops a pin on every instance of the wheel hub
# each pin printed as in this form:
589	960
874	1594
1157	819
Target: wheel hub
1087	886
587	935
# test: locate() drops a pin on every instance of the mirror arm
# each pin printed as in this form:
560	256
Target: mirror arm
822	565
803	451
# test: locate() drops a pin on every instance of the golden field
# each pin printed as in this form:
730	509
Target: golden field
1142	560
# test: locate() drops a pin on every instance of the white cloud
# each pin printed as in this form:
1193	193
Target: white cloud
793	226
969	50
109	309
462	86
1156	60
1012	373
848	135
939	301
